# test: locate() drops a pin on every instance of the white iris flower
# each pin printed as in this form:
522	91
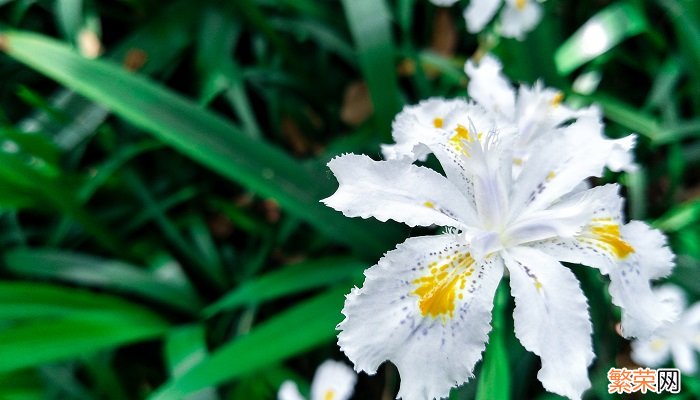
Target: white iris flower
333	380
678	341
426	306
528	113
517	18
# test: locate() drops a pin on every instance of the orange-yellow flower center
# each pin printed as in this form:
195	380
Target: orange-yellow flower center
520	4
329	395
438	291
437	122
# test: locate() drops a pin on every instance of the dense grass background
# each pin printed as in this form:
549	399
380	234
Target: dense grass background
160	229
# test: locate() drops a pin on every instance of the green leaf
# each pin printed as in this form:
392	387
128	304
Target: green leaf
369	22
494	379
289	280
39	342
598	35
680	217
53	323
199	134
291	332
92	271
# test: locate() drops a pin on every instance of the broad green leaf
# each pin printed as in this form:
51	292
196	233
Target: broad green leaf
680	217
199	134
687	28
53	301
46	323
599	34
494	379
186	347
96	272
288	280
48	340
370	24
287	334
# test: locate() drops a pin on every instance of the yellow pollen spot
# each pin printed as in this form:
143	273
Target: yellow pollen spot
551	176
657	344
437	122
330	395
518	161
437	291
429	204
461	134
520	4
557	99
610	235
538	285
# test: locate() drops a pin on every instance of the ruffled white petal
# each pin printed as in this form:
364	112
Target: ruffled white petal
630	282
517	20
620	157
655	257
652	352
565	157
417	126
489	88
586	248
551	319
684	357
289	391
397	190
479	12
333	380
426	307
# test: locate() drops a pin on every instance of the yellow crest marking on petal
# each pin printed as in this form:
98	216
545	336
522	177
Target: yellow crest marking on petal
329	395
520	4
557	99
429	204
518	161
550	176
438	122
461	135
437	291
609	234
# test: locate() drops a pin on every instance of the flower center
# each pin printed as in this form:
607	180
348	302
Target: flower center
520	4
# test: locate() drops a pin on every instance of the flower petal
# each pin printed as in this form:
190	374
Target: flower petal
289	391
397	190
426	306
489	88
565	158
651	352
684	357
520	17
588	248
333	380
551	319
418	125
479	12
630	287
656	258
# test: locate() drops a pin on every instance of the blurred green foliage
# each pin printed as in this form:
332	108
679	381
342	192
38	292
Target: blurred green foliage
160	227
